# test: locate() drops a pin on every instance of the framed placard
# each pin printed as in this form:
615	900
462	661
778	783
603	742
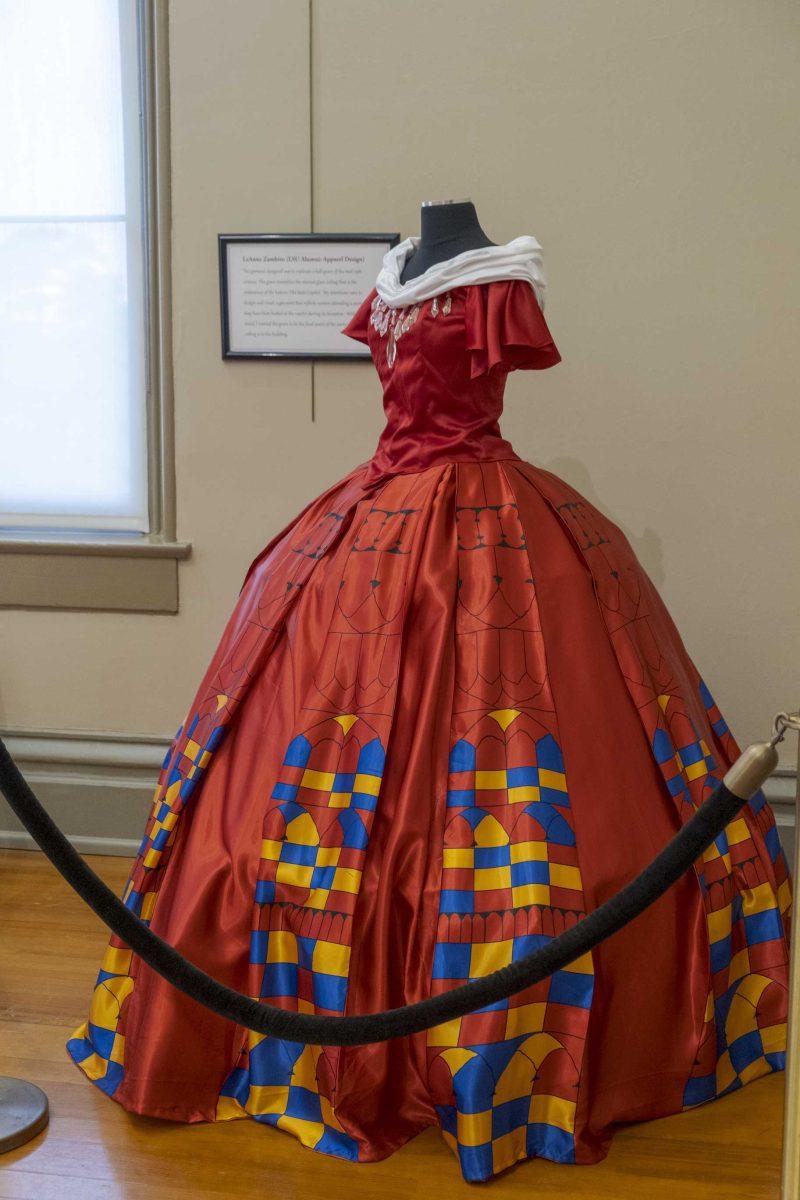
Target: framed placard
287	295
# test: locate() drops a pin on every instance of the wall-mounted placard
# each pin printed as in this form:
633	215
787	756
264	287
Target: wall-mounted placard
287	295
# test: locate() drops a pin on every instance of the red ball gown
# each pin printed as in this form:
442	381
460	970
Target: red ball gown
448	716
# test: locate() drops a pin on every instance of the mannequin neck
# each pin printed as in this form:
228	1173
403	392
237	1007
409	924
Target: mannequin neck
446	230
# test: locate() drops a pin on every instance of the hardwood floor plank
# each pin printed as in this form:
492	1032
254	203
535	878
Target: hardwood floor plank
94	1150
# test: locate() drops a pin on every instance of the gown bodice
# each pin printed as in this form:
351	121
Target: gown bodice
443	363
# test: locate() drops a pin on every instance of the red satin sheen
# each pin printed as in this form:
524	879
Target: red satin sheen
447	572
441	404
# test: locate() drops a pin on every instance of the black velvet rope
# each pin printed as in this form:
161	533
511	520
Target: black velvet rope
666	868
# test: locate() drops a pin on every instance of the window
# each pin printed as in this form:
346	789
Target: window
85	408
73	444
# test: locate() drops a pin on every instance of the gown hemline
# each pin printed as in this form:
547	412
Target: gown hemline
475	633
192	1117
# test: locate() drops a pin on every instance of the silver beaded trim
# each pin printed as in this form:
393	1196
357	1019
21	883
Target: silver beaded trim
397	321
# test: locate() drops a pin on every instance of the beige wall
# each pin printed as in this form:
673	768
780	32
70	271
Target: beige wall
651	149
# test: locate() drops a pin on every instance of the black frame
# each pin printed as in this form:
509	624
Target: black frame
224	239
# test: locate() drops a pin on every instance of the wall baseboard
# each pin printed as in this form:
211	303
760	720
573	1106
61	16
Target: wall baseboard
19	839
98	787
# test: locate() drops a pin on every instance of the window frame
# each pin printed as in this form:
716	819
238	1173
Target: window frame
117	571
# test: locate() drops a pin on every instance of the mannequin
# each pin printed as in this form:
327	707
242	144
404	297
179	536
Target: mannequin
447	228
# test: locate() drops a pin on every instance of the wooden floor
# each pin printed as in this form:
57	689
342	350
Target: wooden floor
50	946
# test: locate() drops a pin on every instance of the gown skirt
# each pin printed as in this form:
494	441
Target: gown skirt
448	716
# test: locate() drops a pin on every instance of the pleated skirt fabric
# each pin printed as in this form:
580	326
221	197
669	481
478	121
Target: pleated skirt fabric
449	715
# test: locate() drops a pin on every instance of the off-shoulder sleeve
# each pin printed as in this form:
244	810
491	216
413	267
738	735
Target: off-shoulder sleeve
506	328
358	325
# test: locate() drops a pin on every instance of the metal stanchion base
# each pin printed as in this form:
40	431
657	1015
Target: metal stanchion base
23	1112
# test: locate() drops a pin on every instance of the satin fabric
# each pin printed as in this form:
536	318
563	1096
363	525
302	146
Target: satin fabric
443	395
448	716
518	259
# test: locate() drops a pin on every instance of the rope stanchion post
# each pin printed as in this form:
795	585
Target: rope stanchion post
24	1112
790	1172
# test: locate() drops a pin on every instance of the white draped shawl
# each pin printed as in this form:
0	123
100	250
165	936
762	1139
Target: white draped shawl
518	259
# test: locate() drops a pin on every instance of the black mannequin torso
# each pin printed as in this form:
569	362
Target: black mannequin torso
446	229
